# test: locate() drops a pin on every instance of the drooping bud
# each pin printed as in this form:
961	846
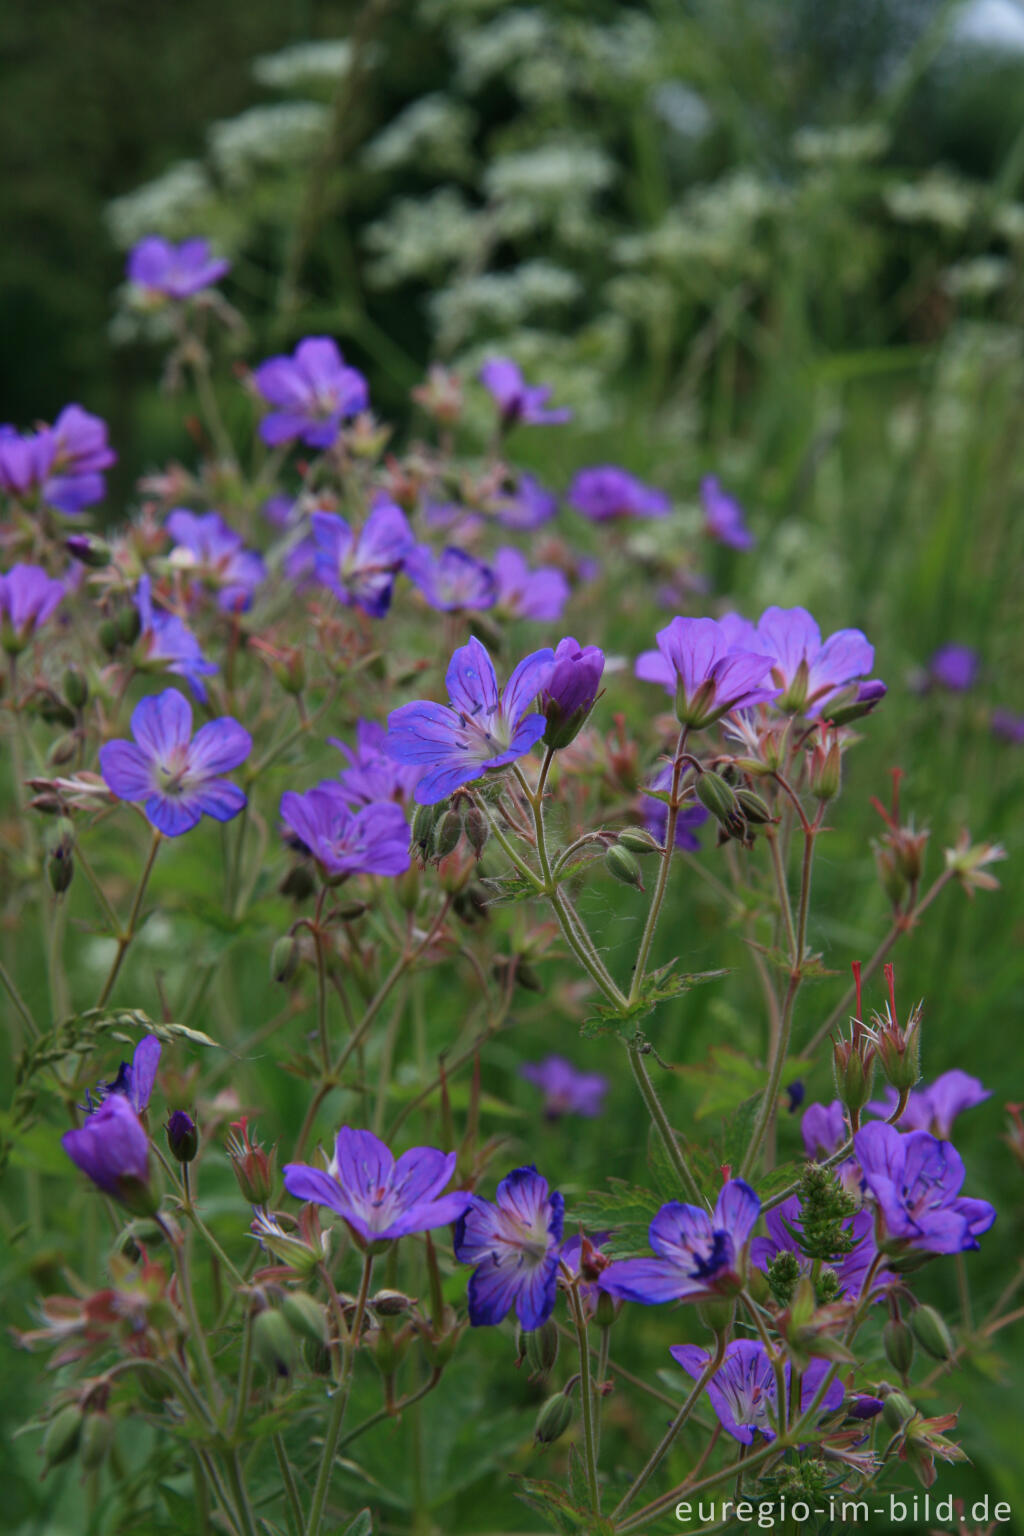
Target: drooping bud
755	810
273	1342
62	1437
108	636
298	884
638	840
720	799
60	865
571	691
623	865
425	818
76	687
553	1420
855	702
899	1345
284	958
447	834
540	1348
306	1316
182	1136
96	1440
474	824
931	1333
129	626
898	1411
88	550
826	769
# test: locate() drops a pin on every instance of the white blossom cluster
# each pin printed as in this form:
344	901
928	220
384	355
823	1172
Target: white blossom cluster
421	237
176	203
432	134
278	134
303	64
500	301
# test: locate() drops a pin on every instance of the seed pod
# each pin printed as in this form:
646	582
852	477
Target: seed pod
425	818
63	1433
553	1420
407	888
317	1357
623	865
898	1410
899	1345
540	1349
755	810
62	750
284	958
97	1438
638	840
390	1303
720	799
109	636
306	1316
931	1333
76	687
447	834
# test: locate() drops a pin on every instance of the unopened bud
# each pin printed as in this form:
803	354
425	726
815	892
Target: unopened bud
129	626
62	750
63	1433
553	1419
476	829
720	799
638	840
826	770
88	550
182	1136
899	1345
273	1342
97	1438
623	865
755	810
76	687
306	1316
424	819
108	635
540	1349
854	1070
298	884
898	1411
931	1333
284	958
60	867
447	834
391	1303
407	888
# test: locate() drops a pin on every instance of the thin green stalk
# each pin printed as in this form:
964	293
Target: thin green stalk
244	1375
291	1491
7	982
586	1402
664	869
124	939
664	1445
337	1414
242	1503
661	1123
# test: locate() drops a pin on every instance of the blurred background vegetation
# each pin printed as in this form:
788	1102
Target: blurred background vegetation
779	240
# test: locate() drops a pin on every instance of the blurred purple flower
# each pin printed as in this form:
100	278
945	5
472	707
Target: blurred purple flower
526	507
743	1391
785	1230
28	597
453	581
371	775
605	492
176	775
1008	726
166	644
25	460
915	1182
528	594
112	1149
566	1091
373	840
360	568
170	271
933	1109
135	1079
698	1255
808	672
954	667
696	661
823	1128
514	1244
517	401
481	730
724	517
655	813
378	1198
571	690
207	548
313	392
81	453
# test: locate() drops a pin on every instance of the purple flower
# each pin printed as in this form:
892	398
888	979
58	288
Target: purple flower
915	1183
606	492
381	1199
451	582
526	507
725	520
808	672
371	841
360	568
1008	726
171	271
28	596
566	1091
25	460
516	400
698	1254
135	1079
696	660
313	392
81	453
655	813
528	594
166	644
371	774
176	775
113	1150
514	1244
209	549
583	1253
823	1128
479	731
934	1109
743	1391
784	1236
571	690
955	667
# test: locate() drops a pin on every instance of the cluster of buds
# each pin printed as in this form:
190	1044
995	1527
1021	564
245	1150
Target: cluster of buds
853	1061
897	1046
136	1313
739	812
899	851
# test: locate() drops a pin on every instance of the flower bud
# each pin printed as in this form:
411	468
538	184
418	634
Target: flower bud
571	691
717	1316
298	884
755	810
553	1420
898	1411
253	1165
623	865
273	1342
447	834
606	1310
88	550
540	1350
899	1345
76	687
96	1440
853	1066
424	819
317	1357
129	626
638	840
284	958
390	1303
476	829
108	636
826	769
63	1434
182	1136
720	799
306	1316
62	750
60	867
931	1333
855	702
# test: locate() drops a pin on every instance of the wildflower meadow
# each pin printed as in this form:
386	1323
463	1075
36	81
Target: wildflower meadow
510	912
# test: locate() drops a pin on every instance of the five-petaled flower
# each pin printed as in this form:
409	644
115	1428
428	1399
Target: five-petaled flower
914	1182
372	840
516	400
28	597
162	270
312	393
808	672
699	1254
566	1091
605	493
697	660
453	581
206	548
934	1108
166	644
514	1244
178	777
378	1198
480	729
743	1391
359	568
724	519
523	593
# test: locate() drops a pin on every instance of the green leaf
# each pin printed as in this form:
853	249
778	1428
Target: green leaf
626	1209
728	1077
657	987
362	1525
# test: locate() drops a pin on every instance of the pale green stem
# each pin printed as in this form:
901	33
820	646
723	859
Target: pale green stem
125	938
664	869
586	1402
337	1414
664	1445
661	1123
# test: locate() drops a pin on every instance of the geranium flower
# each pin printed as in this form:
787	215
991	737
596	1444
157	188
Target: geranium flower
360	568
699	1254
724	519
208	549
606	492
453	581
313	392
112	1149
28	597
743	1391
566	1091
166	271
373	840
517	401
166	644
915	1184
697	660
514	1244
